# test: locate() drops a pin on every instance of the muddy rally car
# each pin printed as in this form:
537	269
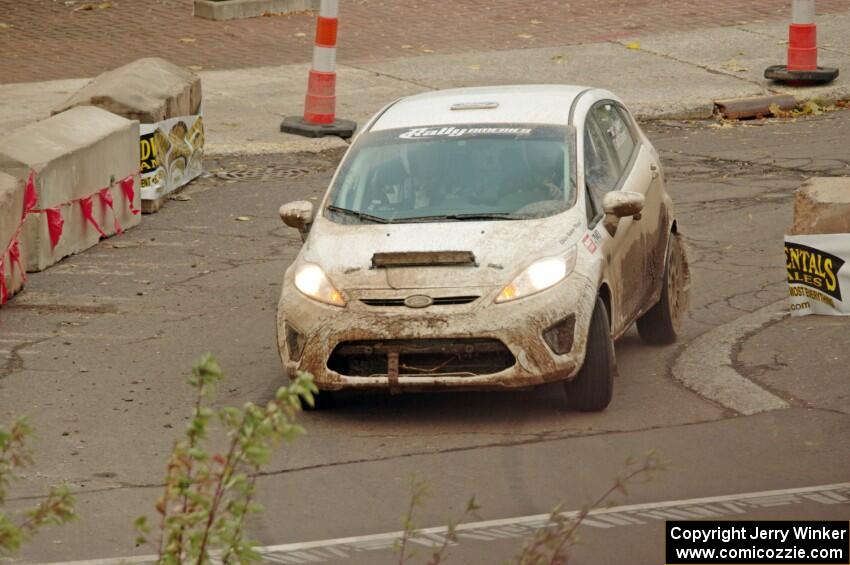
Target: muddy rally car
485	238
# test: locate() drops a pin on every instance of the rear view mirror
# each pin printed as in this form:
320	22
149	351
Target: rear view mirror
620	204
298	215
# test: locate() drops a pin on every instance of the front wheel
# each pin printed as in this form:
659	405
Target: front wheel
662	323
593	387
323	400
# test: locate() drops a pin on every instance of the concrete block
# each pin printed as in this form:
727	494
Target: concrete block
75	155
165	98
822	206
11	213
148	90
237	9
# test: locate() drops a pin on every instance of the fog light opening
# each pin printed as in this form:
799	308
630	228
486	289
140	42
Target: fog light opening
559	337
294	343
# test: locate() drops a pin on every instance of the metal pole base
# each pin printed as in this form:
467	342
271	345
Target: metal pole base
298	126
821	75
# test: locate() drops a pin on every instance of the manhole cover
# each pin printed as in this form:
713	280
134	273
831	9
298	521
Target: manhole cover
268	172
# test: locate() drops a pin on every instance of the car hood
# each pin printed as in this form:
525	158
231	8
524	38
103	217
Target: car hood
500	248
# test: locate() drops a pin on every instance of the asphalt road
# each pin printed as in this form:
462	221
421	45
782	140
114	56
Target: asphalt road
97	349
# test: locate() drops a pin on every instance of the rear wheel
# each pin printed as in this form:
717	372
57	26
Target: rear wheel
662	323
593	387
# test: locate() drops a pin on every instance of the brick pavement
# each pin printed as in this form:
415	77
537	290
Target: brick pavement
52	39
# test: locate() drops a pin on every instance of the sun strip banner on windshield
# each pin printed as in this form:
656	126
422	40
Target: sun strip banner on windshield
818	274
452	131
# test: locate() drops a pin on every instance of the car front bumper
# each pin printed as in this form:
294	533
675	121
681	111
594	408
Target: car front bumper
312	336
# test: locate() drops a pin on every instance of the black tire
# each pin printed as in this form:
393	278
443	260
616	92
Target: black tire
591	390
324	400
661	324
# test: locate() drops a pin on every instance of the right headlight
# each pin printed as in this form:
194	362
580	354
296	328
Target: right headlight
540	275
312	281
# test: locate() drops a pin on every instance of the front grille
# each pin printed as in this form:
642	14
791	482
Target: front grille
451	300
422	357
440	301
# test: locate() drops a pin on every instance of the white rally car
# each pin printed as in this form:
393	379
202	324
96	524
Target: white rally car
485	238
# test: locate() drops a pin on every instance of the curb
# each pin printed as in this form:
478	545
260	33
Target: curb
285	147
239	9
705	366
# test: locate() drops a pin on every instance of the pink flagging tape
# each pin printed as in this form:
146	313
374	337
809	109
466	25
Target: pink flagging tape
55	222
127	185
86	207
30	197
106	201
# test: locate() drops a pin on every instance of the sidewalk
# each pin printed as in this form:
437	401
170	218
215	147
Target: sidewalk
53	39
809	376
673	75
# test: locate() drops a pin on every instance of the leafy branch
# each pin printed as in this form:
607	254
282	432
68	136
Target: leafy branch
419	492
56	509
550	543
208	497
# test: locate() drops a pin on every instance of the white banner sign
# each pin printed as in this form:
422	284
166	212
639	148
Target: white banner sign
172	154
818	274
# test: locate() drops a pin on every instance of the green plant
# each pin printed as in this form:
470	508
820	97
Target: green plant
208	497
419	492
57	508
550	543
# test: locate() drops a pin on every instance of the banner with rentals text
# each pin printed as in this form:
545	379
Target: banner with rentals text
818	274
171	154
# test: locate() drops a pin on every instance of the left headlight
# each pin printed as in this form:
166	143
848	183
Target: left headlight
312	281
539	276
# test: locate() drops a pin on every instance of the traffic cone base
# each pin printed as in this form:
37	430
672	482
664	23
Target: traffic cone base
299	126
819	75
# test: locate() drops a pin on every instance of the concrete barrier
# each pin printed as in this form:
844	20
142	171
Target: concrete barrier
236	9
822	206
148	90
83	160
166	99
12	275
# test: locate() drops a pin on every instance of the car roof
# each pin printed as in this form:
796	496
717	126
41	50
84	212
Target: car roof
531	104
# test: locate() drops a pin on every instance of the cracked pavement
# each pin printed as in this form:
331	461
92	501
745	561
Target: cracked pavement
97	349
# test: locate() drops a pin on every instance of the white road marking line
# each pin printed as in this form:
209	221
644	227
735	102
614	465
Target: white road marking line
705	366
487	530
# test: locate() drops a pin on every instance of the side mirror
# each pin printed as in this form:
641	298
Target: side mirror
620	204
298	215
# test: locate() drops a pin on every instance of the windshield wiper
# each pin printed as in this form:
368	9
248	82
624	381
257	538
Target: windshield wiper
358	215
472	216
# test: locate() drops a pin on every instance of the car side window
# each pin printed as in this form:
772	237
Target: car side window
601	166
630	140
616	128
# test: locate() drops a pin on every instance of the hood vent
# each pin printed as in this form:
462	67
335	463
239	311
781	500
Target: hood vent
422	259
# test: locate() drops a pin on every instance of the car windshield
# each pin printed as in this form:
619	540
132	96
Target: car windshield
456	173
